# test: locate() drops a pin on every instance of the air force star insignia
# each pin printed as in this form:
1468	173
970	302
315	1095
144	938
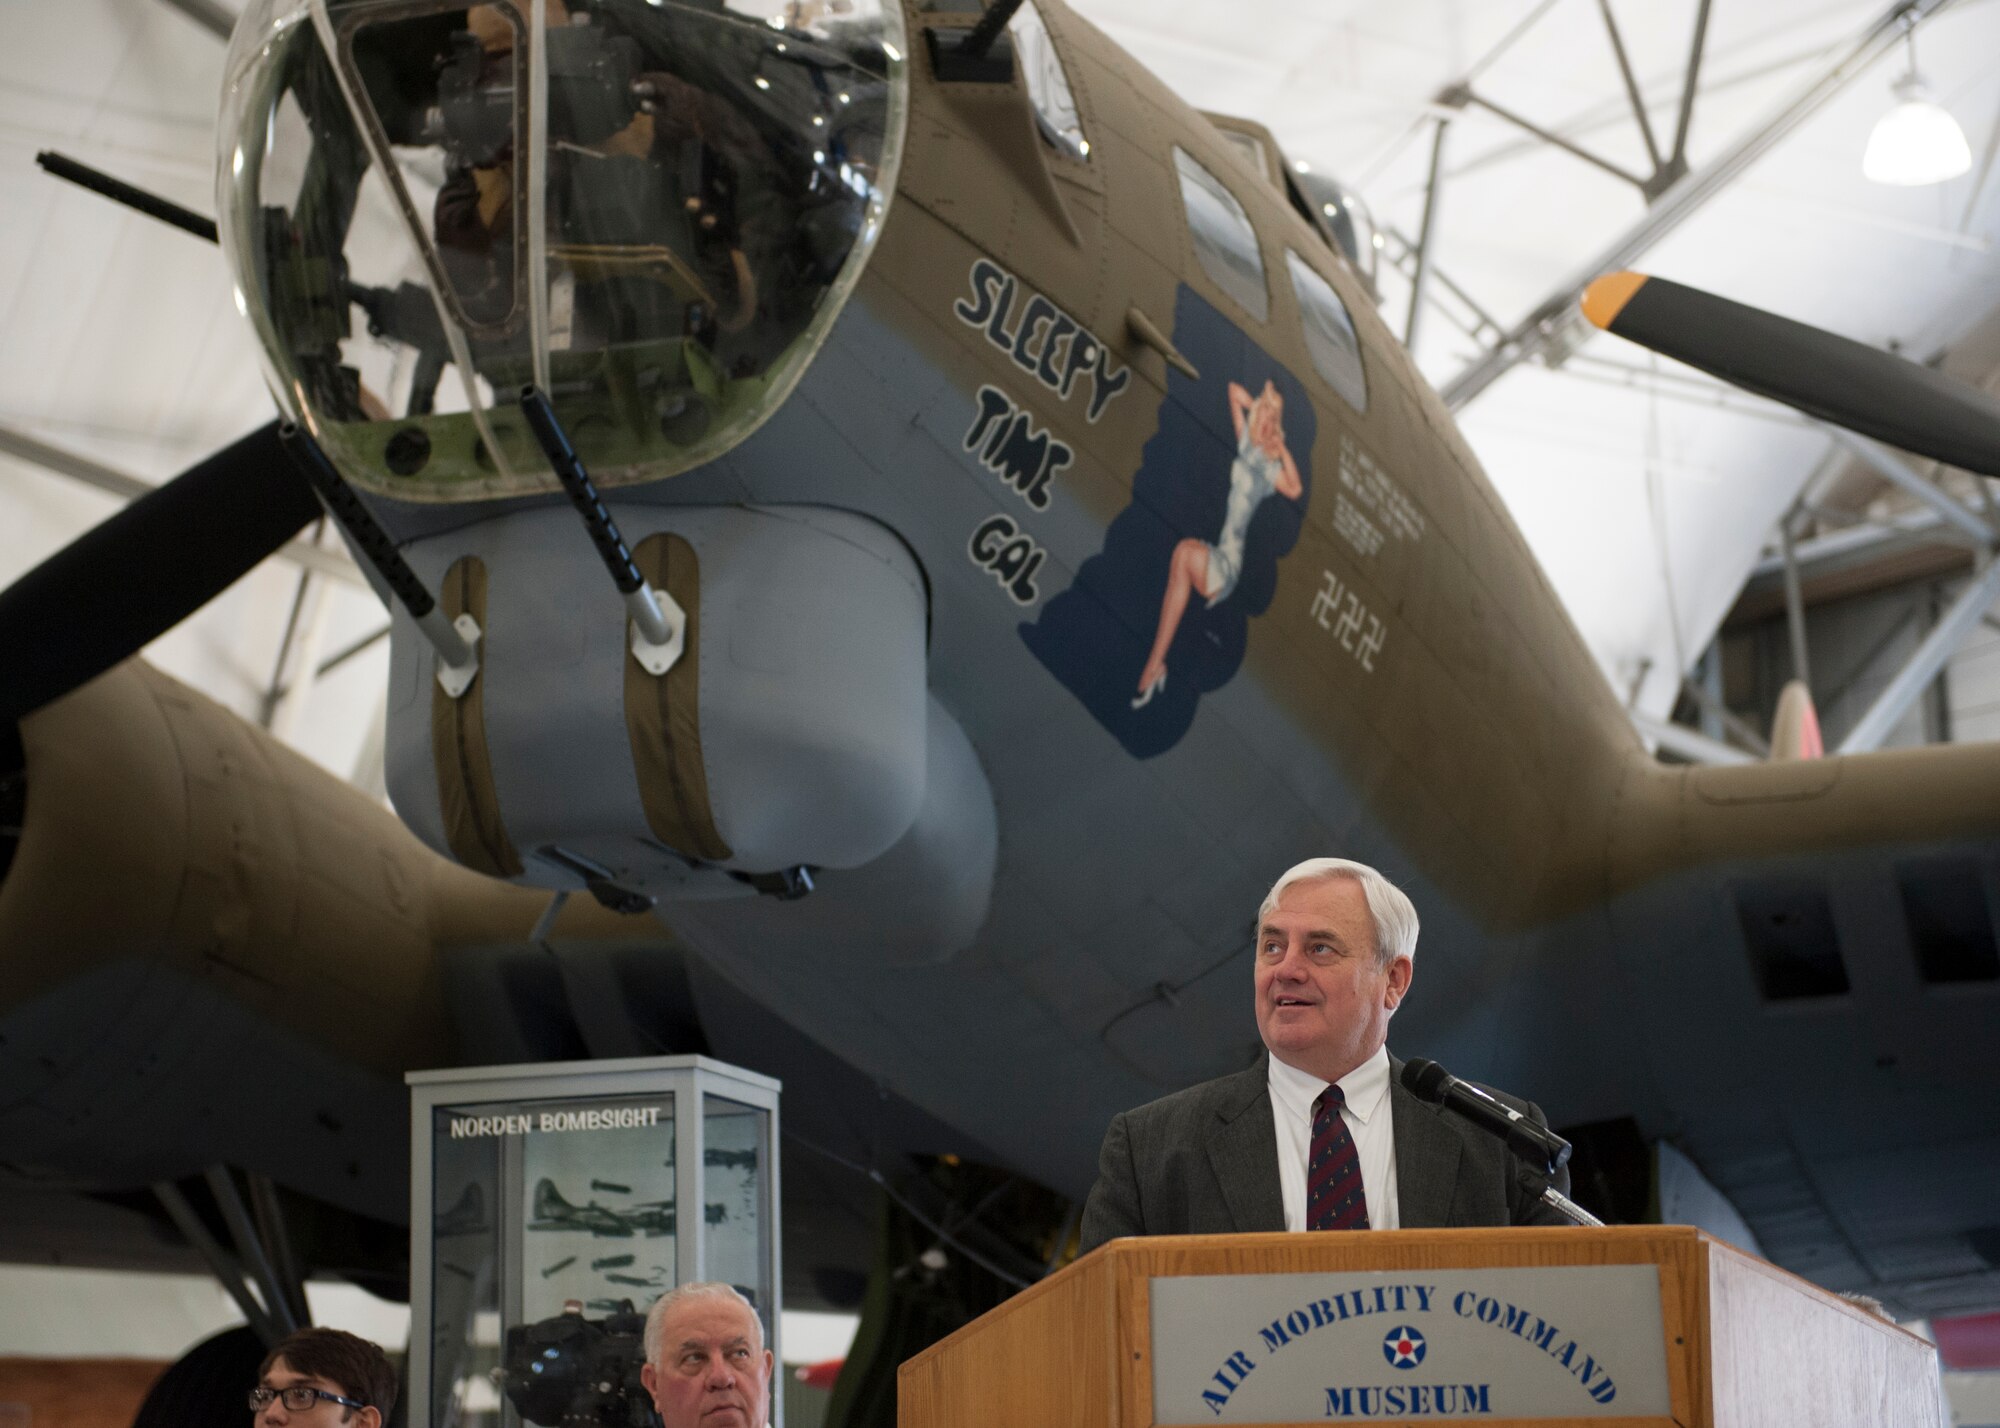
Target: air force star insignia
1403	1347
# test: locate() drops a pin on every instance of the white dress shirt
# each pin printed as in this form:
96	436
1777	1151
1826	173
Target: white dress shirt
1366	1113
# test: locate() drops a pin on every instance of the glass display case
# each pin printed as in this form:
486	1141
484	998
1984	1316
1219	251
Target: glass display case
550	1205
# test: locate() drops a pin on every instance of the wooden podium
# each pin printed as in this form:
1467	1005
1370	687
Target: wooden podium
1652	1325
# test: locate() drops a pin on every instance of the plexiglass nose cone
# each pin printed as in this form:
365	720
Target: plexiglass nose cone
651	209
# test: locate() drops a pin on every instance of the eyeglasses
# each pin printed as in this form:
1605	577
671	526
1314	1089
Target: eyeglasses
298	1398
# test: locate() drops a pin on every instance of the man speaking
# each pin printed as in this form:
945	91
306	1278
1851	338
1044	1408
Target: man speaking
1320	1134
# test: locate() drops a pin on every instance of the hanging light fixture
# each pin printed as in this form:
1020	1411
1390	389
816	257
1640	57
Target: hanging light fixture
1917	142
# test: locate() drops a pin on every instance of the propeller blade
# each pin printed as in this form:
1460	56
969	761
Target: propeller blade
1833	378
110	592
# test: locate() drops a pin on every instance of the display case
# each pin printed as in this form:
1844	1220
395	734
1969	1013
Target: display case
550	1205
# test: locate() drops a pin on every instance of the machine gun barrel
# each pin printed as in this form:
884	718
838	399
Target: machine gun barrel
641	602
456	643
152	205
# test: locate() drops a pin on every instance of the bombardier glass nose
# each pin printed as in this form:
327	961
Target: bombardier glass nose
652	209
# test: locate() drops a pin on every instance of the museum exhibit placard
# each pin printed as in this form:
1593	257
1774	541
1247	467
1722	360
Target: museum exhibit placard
553	1203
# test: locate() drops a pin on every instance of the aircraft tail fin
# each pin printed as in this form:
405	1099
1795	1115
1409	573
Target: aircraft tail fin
549	1203
1795	727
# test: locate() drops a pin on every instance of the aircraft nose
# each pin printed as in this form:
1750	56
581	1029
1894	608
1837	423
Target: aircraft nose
707	189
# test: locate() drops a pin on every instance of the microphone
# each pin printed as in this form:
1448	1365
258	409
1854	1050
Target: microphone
1541	1148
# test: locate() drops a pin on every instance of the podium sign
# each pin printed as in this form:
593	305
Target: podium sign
1544	1343
1640	1326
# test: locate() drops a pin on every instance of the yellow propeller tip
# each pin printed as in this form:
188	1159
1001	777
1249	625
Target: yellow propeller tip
1604	299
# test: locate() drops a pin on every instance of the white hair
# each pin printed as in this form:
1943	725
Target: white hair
1394	916
656	1317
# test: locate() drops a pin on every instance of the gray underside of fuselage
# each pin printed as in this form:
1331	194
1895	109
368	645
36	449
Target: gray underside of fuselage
1857	1133
137	1072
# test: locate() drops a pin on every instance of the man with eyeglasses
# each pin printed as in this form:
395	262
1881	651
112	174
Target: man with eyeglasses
1318	1134
319	1377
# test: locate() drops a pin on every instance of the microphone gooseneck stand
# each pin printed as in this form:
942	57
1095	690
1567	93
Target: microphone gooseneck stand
1537	1147
1554	1197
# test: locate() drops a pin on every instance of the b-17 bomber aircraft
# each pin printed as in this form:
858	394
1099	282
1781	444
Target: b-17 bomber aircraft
550	1211
893	492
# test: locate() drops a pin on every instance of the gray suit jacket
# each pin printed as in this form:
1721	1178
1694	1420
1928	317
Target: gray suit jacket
1205	1162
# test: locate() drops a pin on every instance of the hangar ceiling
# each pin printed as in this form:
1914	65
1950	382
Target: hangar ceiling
1650	494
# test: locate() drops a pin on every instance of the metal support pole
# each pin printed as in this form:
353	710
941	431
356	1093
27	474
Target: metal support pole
1420	279
1896	471
1550	137
1631	86
269	705
220	1263
1864	540
271	1230
1989	504
1937	694
342	655
289	698
207	14
55	459
546	923
1543	327
369	772
657	639
1707	693
1923	665
1703	684
250	1249
1795	605
1481	327
1688	743
67	463
1688	86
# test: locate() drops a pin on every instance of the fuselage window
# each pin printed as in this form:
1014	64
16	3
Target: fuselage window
1330	339
1224	241
1048	85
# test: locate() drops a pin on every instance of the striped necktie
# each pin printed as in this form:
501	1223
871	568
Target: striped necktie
1333	1171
